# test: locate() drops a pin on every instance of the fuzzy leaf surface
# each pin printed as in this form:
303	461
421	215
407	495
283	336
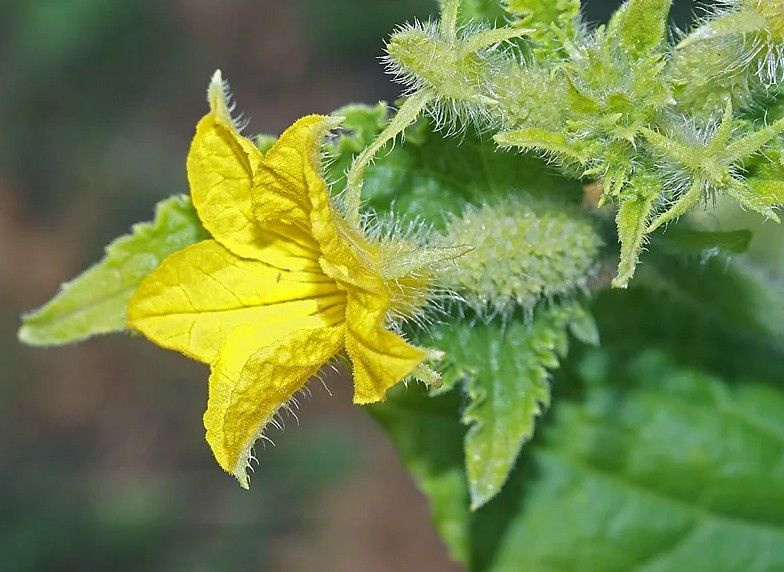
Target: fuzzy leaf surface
95	301
632	219
505	372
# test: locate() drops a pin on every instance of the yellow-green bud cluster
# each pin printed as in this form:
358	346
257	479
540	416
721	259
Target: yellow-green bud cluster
616	104
524	251
472	81
736	51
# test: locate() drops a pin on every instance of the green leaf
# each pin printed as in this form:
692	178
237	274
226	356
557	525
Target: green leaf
95	301
766	170
705	243
430	177
656	468
632	221
555	144
640	26
769	191
740	296
505	369
644	465
361	124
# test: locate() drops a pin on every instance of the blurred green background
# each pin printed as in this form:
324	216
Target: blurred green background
103	464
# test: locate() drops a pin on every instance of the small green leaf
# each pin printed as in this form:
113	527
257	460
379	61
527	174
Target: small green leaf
361	125
555	144
264	142
640	26
686	201
632	221
95	301
748	197
505	370
766	170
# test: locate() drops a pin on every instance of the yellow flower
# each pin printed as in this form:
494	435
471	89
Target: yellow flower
284	286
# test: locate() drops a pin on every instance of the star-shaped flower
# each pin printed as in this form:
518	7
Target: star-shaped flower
284	286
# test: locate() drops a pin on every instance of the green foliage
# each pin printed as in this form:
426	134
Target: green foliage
429	438
603	487
95	302
640	27
361	125
738	295
504	372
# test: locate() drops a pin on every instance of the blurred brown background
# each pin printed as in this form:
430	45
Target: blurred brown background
103	464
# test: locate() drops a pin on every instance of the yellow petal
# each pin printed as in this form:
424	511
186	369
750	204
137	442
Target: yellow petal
290	187
291	172
249	385
198	296
221	166
381	358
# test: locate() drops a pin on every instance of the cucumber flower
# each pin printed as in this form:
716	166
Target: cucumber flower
284	286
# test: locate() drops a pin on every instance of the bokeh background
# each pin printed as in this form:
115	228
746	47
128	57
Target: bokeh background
103	464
